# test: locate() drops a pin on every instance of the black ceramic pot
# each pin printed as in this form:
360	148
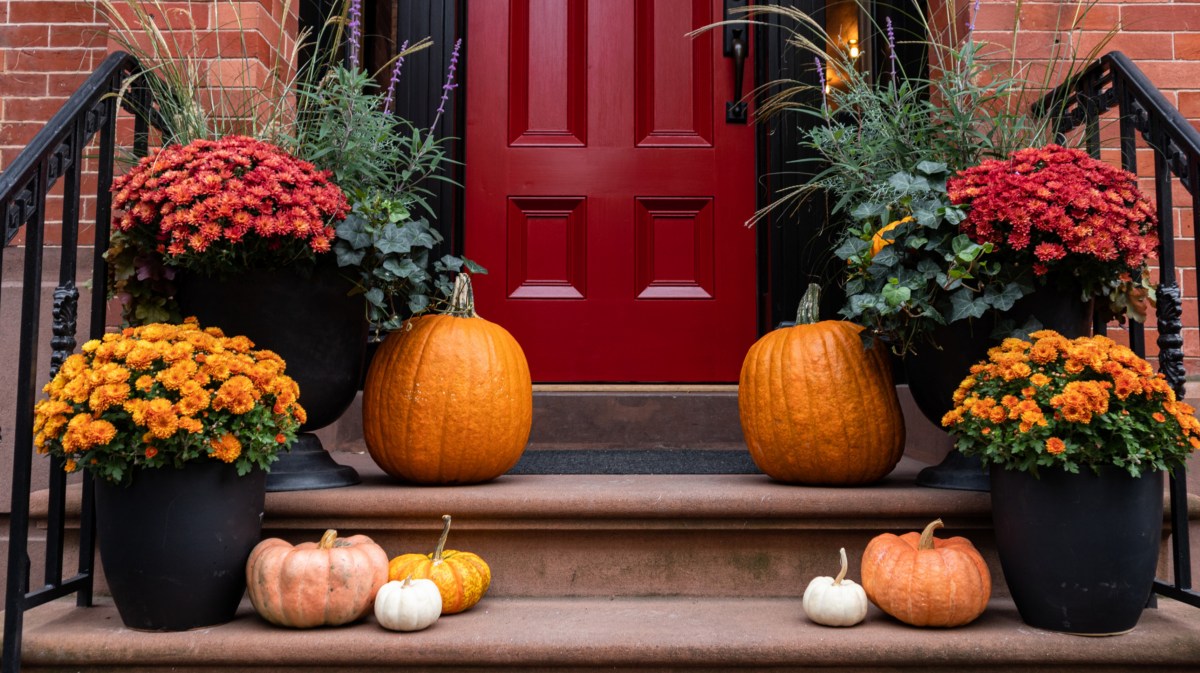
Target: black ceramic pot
174	543
1079	551
933	374
311	320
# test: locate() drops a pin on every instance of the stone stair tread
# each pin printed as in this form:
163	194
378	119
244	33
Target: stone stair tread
738	497
645	633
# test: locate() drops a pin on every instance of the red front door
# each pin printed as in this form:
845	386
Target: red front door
605	193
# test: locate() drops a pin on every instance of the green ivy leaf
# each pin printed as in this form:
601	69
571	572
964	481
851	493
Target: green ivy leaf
964	304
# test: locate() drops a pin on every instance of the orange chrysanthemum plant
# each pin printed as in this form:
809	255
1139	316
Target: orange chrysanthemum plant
1070	403
218	207
163	395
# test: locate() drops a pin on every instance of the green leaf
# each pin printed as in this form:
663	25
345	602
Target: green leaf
395	240
402	268
375	297
896	294
931	168
964	304
1003	299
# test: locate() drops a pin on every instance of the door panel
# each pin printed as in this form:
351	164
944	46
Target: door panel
605	193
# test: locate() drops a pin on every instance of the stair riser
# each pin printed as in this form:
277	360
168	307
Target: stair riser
622	561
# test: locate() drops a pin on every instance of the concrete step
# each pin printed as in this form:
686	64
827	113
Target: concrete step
587	635
707	535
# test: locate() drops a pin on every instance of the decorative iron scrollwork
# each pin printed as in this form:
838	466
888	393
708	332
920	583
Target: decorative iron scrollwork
66	315
18	213
1170	335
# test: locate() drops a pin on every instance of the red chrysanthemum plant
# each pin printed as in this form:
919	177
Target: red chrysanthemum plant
217	206
1059	212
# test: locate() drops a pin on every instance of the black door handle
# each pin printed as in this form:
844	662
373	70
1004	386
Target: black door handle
735	110
735	46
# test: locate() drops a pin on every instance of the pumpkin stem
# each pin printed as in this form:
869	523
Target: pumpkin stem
810	306
437	553
841	575
927	534
462	301
328	539
407	581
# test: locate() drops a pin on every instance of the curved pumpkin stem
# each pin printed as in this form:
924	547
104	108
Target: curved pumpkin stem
810	306
841	575
462	301
328	539
927	534
407	581
437	553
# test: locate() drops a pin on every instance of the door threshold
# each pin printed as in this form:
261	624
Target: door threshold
635	387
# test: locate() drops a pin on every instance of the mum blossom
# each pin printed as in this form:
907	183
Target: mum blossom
1058	207
216	194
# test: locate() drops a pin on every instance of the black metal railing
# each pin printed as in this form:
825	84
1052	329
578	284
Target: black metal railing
1114	83
57	153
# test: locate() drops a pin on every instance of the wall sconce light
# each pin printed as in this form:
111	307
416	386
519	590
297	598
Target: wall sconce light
853	44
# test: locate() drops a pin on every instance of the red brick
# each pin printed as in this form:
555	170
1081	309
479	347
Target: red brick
18	133
51	11
1048	16
93	36
31	109
1172	74
1186	222
24	36
1189	104
22	84
1137	46
1176	17
65	84
49	60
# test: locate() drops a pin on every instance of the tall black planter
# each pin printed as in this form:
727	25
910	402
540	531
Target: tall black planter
174	543
311	320
1079	551
933	375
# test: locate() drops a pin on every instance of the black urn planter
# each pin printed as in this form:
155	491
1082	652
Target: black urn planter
174	543
1079	551
319	329
933	374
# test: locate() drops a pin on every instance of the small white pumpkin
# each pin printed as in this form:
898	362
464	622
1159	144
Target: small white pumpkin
835	601
410	605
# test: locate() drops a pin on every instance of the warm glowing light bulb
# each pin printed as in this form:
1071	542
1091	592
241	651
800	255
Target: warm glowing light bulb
853	48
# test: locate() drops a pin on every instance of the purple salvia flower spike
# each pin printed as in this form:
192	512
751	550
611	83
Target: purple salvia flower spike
974	17
449	85
355	32
821	78
391	90
891	38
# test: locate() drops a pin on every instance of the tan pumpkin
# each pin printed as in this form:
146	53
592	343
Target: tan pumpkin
924	581
324	583
461	577
818	408
448	398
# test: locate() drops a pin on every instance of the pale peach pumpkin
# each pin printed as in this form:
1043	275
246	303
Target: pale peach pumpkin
324	583
461	577
924	581
448	398
818	408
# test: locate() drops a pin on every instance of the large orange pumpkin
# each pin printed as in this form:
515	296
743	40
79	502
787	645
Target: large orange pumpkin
324	583
924	581
448	398
461	577
818	408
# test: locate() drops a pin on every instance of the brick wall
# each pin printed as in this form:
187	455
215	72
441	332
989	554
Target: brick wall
49	47
1163	39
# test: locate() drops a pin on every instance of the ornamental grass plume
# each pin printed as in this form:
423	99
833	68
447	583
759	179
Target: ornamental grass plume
164	395
1054	402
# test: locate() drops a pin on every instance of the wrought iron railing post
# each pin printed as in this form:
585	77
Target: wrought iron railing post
56	153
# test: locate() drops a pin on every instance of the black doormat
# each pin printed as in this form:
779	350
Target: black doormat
640	461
